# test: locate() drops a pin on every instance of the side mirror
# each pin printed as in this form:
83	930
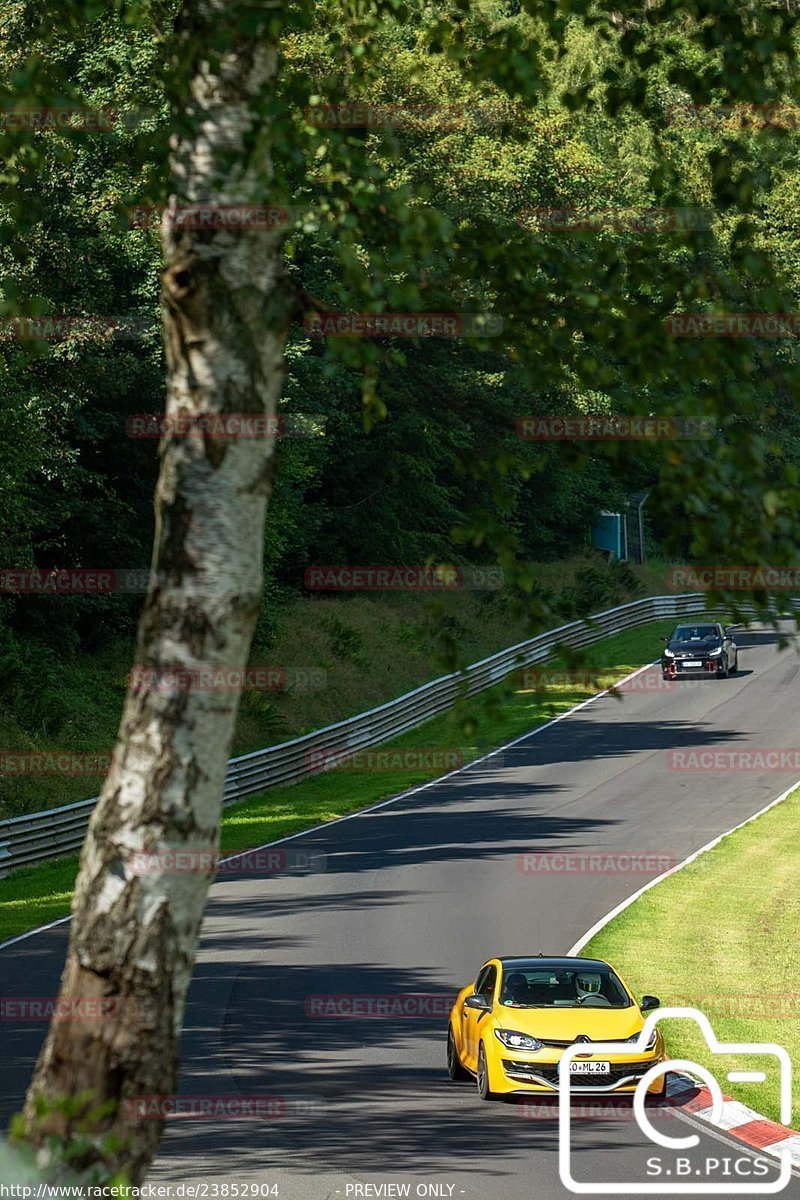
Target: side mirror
665	640
477	1001
649	1003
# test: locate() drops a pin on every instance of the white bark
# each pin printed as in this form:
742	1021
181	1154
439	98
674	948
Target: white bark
133	936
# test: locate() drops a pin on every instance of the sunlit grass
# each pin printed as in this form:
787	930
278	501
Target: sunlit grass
363	649
721	935
36	895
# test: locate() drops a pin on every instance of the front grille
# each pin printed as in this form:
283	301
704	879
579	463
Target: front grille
549	1072
571	1042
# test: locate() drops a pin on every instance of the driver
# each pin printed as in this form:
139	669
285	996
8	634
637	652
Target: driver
516	989
587	984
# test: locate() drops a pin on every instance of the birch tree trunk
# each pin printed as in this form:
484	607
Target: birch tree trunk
134	935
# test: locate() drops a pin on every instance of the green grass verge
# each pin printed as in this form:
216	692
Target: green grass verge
36	895
721	936
371	647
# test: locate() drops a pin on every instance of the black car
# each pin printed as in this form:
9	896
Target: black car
704	649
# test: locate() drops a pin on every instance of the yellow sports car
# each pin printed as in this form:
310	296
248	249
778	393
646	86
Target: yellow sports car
509	1029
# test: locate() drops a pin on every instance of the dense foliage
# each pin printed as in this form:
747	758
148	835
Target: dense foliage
414	453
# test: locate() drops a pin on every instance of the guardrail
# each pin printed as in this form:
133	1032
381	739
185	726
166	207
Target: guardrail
57	832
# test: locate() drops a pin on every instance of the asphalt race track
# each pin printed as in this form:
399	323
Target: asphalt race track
415	895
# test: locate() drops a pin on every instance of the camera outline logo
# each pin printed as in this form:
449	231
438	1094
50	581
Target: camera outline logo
728	1188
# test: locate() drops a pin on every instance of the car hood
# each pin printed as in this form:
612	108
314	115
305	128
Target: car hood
566	1024
695	647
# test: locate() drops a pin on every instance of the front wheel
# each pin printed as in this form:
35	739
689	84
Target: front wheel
724	674
482	1078
454	1067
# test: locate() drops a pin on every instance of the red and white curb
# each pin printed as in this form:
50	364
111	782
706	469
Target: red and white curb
737	1119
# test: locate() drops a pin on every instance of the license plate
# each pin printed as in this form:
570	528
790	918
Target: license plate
692	663
589	1068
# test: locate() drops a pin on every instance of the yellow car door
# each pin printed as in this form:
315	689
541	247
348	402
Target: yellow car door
474	1011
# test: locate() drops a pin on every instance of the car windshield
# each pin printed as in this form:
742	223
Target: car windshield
535	986
694	633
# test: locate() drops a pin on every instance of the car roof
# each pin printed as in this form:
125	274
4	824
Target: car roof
555	964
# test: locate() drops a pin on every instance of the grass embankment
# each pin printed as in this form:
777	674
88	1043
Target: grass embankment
365	648
36	895
721	936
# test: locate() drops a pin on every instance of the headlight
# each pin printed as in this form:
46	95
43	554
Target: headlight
517	1041
715	653
651	1043
668	653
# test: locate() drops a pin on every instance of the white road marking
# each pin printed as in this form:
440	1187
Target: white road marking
601	924
360	812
